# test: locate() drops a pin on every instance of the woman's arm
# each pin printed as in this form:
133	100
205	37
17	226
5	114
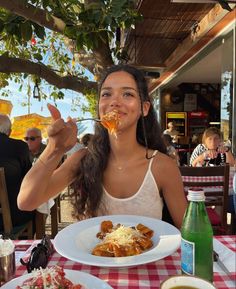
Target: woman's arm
169	181
45	180
199	160
230	158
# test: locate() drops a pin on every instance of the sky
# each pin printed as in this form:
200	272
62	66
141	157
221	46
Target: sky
40	107
19	99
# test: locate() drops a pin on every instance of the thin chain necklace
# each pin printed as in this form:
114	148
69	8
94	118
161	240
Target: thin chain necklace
119	168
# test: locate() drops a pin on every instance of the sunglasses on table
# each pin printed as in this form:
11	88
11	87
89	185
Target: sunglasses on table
32	138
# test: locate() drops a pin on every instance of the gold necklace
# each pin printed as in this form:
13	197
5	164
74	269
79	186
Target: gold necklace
119	168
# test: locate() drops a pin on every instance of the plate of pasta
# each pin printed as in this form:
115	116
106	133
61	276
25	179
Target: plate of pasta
78	241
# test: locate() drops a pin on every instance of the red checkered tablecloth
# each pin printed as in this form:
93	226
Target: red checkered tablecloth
147	276
210	179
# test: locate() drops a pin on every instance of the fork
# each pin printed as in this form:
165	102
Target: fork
76	119
84	119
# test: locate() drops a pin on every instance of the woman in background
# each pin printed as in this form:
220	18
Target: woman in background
211	151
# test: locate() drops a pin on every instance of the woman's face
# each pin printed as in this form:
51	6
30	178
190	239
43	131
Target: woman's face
119	92
212	142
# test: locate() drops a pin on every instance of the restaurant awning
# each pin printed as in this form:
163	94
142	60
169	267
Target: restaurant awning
5	106
21	123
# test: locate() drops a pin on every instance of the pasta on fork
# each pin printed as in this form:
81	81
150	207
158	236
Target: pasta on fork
121	241
111	121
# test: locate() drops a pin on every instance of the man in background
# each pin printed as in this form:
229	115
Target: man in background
172	132
33	137
14	158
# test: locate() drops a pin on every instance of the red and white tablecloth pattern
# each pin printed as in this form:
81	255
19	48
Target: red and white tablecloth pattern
210	179
140	277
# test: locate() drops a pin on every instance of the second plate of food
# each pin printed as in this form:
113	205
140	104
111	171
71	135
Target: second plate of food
77	241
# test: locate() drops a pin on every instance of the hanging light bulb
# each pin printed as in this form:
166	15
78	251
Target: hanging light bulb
36	92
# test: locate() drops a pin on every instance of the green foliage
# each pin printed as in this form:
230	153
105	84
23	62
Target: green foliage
92	99
3	80
87	23
93	19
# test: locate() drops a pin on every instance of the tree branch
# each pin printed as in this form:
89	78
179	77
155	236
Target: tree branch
102	54
34	14
17	65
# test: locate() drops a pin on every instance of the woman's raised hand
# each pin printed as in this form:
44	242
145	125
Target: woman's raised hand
62	134
210	154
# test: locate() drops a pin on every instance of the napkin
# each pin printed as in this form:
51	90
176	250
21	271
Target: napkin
45	207
6	247
226	255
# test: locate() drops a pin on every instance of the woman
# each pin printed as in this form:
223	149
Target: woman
124	174
211	151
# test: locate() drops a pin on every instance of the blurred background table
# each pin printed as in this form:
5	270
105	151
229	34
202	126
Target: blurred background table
139	277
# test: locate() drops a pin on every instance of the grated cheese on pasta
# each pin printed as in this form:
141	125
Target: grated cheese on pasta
48	278
122	236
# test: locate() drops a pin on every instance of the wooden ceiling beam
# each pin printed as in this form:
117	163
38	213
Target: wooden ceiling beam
210	26
214	16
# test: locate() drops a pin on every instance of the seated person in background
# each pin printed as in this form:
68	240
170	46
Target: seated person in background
14	158
171	151
127	173
33	137
172	132
211	151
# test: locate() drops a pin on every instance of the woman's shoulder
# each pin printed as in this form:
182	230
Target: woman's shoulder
163	162
164	169
200	148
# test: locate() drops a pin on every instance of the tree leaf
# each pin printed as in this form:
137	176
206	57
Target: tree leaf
38	56
39	31
1	26
26	30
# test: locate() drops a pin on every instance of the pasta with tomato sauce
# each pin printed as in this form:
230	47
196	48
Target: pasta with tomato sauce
121	241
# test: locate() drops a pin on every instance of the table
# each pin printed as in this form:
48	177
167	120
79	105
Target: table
212	179
146	276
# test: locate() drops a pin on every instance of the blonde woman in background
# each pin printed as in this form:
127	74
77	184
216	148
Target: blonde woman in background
211	151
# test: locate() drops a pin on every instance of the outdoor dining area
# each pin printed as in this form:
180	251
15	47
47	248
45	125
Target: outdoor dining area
117	144
73	242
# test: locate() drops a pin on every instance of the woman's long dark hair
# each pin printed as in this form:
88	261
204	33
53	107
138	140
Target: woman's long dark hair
88	188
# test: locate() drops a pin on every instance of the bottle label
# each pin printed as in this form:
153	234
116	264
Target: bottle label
187	257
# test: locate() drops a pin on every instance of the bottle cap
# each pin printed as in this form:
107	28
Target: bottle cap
196	195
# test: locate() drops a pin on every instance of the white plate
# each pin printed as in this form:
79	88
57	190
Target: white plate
76	241
87	280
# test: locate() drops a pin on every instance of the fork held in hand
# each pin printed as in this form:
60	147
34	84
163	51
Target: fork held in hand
76	120
83	119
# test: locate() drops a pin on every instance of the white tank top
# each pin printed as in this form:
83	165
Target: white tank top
145	202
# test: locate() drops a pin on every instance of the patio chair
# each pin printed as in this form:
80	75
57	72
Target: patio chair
215	182
25	230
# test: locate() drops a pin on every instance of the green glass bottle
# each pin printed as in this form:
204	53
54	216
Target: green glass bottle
197	238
